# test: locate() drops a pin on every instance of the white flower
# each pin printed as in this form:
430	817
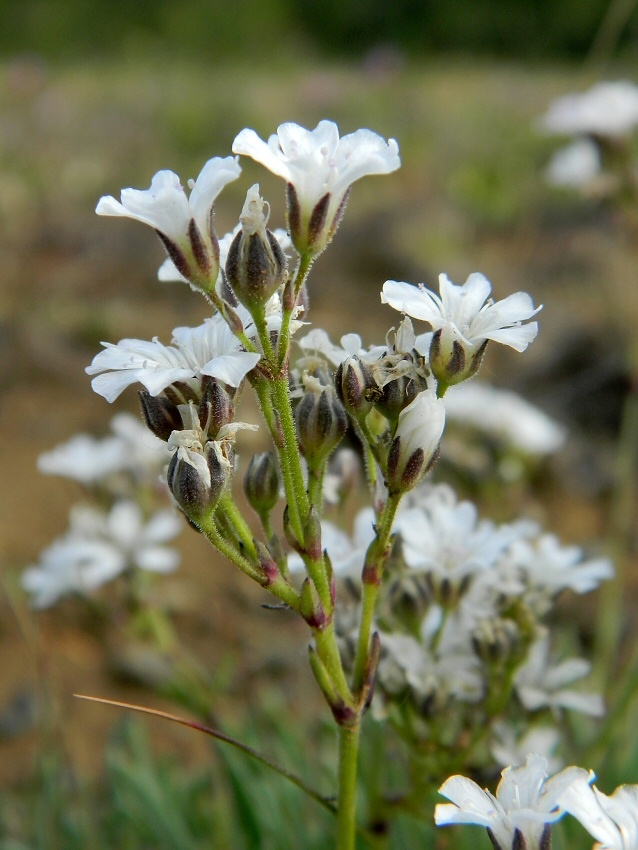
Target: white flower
464	313
538	685
445	537
98	547
90	460
612	821
210	349
453	672
547	568
320	167
416	441
507	748
607	109
505	415
525	802
184	223
574	167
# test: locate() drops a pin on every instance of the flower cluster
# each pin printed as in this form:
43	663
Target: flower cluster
461	617
114	535
444	612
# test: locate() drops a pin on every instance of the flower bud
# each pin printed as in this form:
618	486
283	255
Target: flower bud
310	606
416	441
321	423
162	417
355	386
216	408
261	483
197	476
496	640
453	360
397	394
256	265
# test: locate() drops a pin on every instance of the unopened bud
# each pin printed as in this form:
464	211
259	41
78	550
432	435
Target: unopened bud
267	563
256	265
197	477
261	483
312	227
216	408
321	424
355	386
452	360
162	417
416	441
312	534
397	394
495	641
310	606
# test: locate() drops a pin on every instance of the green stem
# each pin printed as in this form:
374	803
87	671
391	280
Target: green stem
328	651
237	523
374	571
222	308
294	484
315	487
347	806
263	388
305	262
264	337
208	527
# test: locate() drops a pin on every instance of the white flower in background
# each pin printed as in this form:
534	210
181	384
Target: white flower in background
319	168
575	166
540	685
508	749
445	537
612	821
100	546
185	224
209	349
546	568
505	415
452	673
346	552
607	109
464	313
90	460
526	802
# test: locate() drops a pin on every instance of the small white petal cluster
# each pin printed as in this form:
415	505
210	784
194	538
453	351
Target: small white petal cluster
611	820
92	461
539	684
607	109
98	547
466	313
320	167
473	573
526	802
209	349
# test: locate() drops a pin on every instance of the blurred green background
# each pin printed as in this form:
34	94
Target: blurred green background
264	31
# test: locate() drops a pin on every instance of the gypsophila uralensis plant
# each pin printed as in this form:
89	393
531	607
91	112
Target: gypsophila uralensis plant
448	614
